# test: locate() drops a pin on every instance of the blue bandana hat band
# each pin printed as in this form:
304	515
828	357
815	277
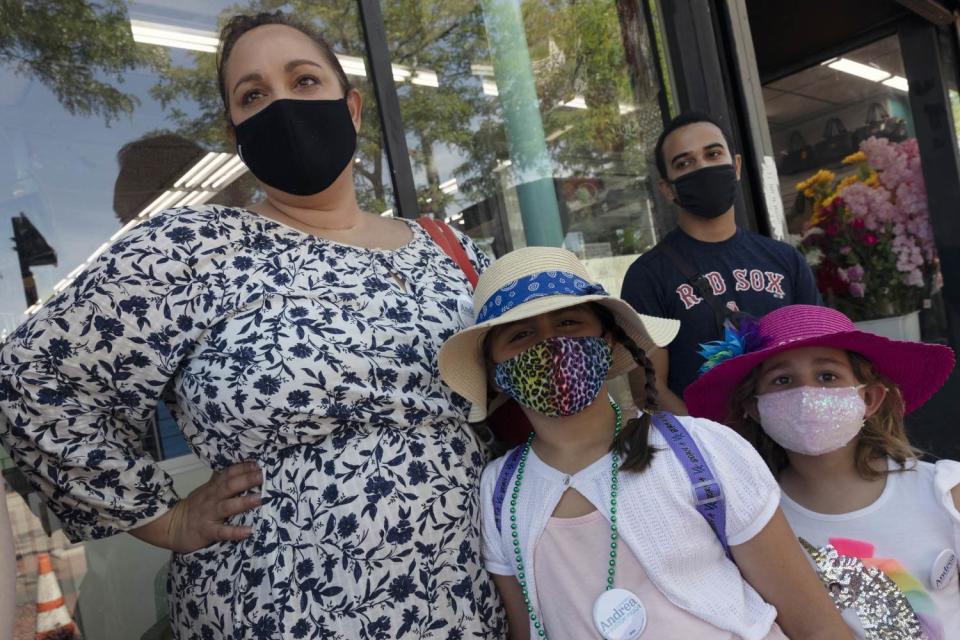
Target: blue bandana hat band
539	285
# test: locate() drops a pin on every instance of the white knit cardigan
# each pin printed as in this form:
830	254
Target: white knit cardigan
658	522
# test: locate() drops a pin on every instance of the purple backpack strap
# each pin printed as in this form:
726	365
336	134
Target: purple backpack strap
503	483
707	492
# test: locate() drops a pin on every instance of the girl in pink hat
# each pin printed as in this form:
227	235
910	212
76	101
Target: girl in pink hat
823	403
607	525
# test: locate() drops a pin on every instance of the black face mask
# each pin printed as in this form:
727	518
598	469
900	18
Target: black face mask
708	192
299	147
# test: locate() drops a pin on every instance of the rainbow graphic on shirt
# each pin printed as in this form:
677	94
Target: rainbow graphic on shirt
912	588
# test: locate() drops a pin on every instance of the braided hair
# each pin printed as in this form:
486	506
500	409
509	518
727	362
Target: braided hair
632	443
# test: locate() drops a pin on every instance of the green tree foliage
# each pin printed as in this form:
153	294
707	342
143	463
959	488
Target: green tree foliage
82	49
79	50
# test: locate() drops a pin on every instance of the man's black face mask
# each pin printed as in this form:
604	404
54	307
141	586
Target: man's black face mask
708	192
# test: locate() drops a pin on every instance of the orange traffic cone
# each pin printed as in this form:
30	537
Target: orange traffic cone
53	619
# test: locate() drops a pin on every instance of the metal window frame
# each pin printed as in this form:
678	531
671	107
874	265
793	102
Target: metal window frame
939	157
388	105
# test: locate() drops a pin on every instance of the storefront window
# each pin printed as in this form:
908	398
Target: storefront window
951	63
527	123
110	111
533	123
853	189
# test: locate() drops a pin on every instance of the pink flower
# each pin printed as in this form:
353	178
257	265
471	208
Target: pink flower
855	273
858	289
845	251
913	279
880	152
869	239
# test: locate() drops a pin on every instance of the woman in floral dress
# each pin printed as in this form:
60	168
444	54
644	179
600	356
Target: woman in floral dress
296	343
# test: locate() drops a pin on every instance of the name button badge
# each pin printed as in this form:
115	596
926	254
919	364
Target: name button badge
944	570
618	614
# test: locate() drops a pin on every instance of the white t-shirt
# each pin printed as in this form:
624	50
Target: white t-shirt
657	521
903	533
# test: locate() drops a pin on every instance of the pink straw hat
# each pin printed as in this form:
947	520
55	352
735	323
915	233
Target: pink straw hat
919	369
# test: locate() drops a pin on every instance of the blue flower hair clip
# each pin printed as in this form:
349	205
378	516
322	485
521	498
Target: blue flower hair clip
736	342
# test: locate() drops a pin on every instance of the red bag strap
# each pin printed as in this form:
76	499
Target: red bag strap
443	235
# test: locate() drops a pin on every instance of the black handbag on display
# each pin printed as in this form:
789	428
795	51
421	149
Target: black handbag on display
837	142
799	157
879	124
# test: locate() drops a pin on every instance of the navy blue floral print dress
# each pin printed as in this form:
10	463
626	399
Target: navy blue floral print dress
313	358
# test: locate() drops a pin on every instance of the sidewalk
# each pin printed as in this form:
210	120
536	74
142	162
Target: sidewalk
69	563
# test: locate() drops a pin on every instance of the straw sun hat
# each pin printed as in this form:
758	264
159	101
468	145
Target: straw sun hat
526	283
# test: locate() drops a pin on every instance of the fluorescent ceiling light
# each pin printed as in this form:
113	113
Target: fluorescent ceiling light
450	186
100	249
165	202
238	170
210	175
195	169
216	170
352	65
860	70
167	35
355	66
183	201
482	70
425	78
172	36
227	167
207	169
122	230
898	82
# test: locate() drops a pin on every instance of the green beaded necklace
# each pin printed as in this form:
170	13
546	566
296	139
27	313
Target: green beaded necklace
614	483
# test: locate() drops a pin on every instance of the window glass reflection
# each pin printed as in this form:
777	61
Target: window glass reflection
110	112
533	123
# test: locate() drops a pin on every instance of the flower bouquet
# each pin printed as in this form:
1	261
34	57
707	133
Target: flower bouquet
869	239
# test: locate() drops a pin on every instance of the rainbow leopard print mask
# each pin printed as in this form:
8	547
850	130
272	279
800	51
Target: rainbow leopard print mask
560	376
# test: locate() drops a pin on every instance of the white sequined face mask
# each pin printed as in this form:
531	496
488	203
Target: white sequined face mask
812	420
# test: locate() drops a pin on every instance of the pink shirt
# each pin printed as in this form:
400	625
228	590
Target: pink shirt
571	571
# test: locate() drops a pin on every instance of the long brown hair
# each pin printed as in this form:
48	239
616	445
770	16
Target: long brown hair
632	444
883	434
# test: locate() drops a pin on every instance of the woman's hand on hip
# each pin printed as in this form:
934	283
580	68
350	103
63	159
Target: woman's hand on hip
200	519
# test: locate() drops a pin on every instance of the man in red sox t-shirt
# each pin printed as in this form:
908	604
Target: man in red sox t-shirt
746	271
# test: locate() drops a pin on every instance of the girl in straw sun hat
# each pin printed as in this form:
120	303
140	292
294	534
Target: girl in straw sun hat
824	403
600	525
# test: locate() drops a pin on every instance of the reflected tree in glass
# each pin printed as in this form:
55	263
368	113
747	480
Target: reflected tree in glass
79	50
